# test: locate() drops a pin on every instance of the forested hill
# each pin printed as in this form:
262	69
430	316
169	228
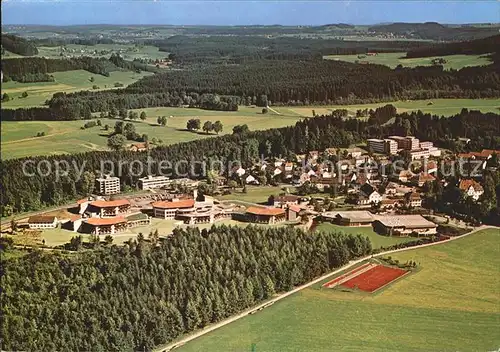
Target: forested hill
188	50
436	31
471	47
139	296
18	45
21	192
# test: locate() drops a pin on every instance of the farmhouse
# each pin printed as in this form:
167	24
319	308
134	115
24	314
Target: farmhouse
349	218
138	147
108	208
404	225
42	222
414	199
471	188
265	215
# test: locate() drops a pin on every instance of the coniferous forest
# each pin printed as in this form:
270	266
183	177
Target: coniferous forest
135	297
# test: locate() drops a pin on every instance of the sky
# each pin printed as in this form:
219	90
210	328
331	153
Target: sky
245	12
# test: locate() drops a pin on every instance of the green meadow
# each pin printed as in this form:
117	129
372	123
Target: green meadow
19	137
451	304
394	59
68	82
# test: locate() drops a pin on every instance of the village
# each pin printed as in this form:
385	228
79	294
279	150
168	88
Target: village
349	188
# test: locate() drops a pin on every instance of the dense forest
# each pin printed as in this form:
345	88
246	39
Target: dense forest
473	47
275	83
189	50
17	68
436	31
18	45
135	297
21	192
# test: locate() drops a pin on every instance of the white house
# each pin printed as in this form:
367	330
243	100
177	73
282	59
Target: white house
42	222
250	180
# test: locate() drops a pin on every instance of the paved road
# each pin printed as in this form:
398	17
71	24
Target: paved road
252	310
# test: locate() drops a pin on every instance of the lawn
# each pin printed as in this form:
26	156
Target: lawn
451	304
255	194
68	82
376	239
445	107
393	59
18	137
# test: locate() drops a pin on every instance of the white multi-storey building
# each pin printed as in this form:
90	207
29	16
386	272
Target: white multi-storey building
153	182
108	185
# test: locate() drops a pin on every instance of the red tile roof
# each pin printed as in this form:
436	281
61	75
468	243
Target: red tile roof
110	203
81	201
295	208
424	177
75	217
106	221
265	211
184	203
466	184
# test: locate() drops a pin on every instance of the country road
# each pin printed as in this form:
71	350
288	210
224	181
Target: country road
252	310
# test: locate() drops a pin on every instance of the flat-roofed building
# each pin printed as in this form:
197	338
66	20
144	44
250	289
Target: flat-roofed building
349	218
168	209
265	215
404	225
426	145
385	146
153	182
407	142
419	154
42	222
108	185
108	208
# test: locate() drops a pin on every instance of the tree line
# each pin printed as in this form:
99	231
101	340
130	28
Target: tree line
17	68
18	45
472	47
147	293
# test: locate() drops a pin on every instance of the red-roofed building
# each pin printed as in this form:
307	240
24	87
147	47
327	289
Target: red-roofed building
138	147
104	226
106	208
292	212
168	209
422	178
265	215
471	188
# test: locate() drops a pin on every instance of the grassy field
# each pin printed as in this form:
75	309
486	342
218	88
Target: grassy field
451	304
445	107
66	137
254	194
18	138
393	59
67	81
376	239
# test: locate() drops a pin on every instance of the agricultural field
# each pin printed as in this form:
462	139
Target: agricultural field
394	59
451	304
377	240
442	107
127	51
19	137
68	82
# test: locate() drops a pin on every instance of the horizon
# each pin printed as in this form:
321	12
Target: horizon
244	13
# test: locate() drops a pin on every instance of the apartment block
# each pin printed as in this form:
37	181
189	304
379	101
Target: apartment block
153	182
385	146
108	185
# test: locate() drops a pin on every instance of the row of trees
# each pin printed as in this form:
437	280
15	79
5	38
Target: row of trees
18	45
103	299
208	126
